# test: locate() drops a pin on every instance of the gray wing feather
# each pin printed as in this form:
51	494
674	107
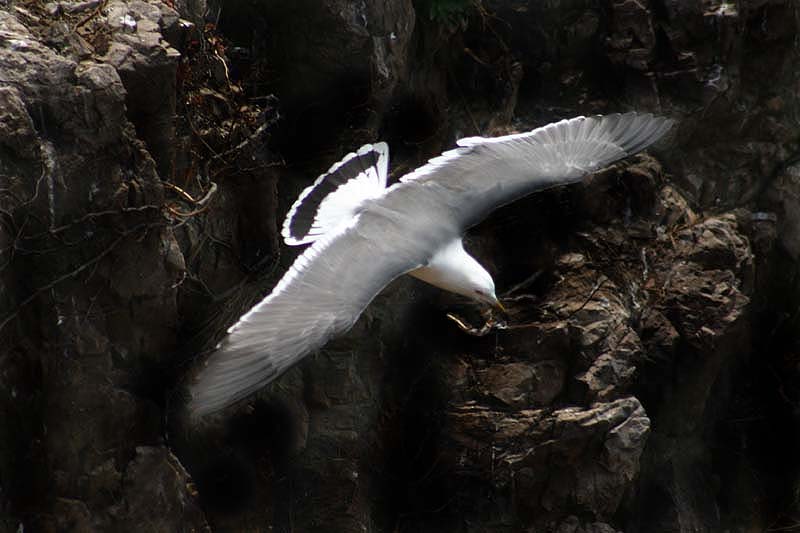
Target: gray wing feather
321	295
486	173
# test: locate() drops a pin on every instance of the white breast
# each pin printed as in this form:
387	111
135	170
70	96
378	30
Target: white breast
453	269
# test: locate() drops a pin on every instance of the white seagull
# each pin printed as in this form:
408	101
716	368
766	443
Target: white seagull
364	234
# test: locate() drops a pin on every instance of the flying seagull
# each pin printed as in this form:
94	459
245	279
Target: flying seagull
364	234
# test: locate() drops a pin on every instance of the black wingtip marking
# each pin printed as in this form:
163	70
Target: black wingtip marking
305	210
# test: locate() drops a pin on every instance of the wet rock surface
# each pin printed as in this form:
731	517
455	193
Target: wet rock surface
644	379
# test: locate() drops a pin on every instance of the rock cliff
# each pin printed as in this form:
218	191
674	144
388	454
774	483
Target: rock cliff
648	375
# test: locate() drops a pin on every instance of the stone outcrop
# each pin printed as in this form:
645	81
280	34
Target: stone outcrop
90	274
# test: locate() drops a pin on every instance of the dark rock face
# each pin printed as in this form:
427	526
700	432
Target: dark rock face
647	375
615	314
91	267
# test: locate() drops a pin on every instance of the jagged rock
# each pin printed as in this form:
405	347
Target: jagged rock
584	456
147	66
158	492
716	244
523	384
92	261
16	126
608	348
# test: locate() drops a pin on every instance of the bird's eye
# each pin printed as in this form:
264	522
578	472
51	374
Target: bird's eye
477	291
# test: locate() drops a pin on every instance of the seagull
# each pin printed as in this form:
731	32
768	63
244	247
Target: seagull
363	235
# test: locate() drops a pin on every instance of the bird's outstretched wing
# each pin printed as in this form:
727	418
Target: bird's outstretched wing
486	173
330	284
321	295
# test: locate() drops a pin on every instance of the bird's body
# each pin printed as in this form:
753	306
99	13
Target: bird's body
364	235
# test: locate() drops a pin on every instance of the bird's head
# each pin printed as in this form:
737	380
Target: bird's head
483	289
489	298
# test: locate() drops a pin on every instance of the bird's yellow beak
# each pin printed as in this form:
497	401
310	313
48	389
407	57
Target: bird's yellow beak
499	305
